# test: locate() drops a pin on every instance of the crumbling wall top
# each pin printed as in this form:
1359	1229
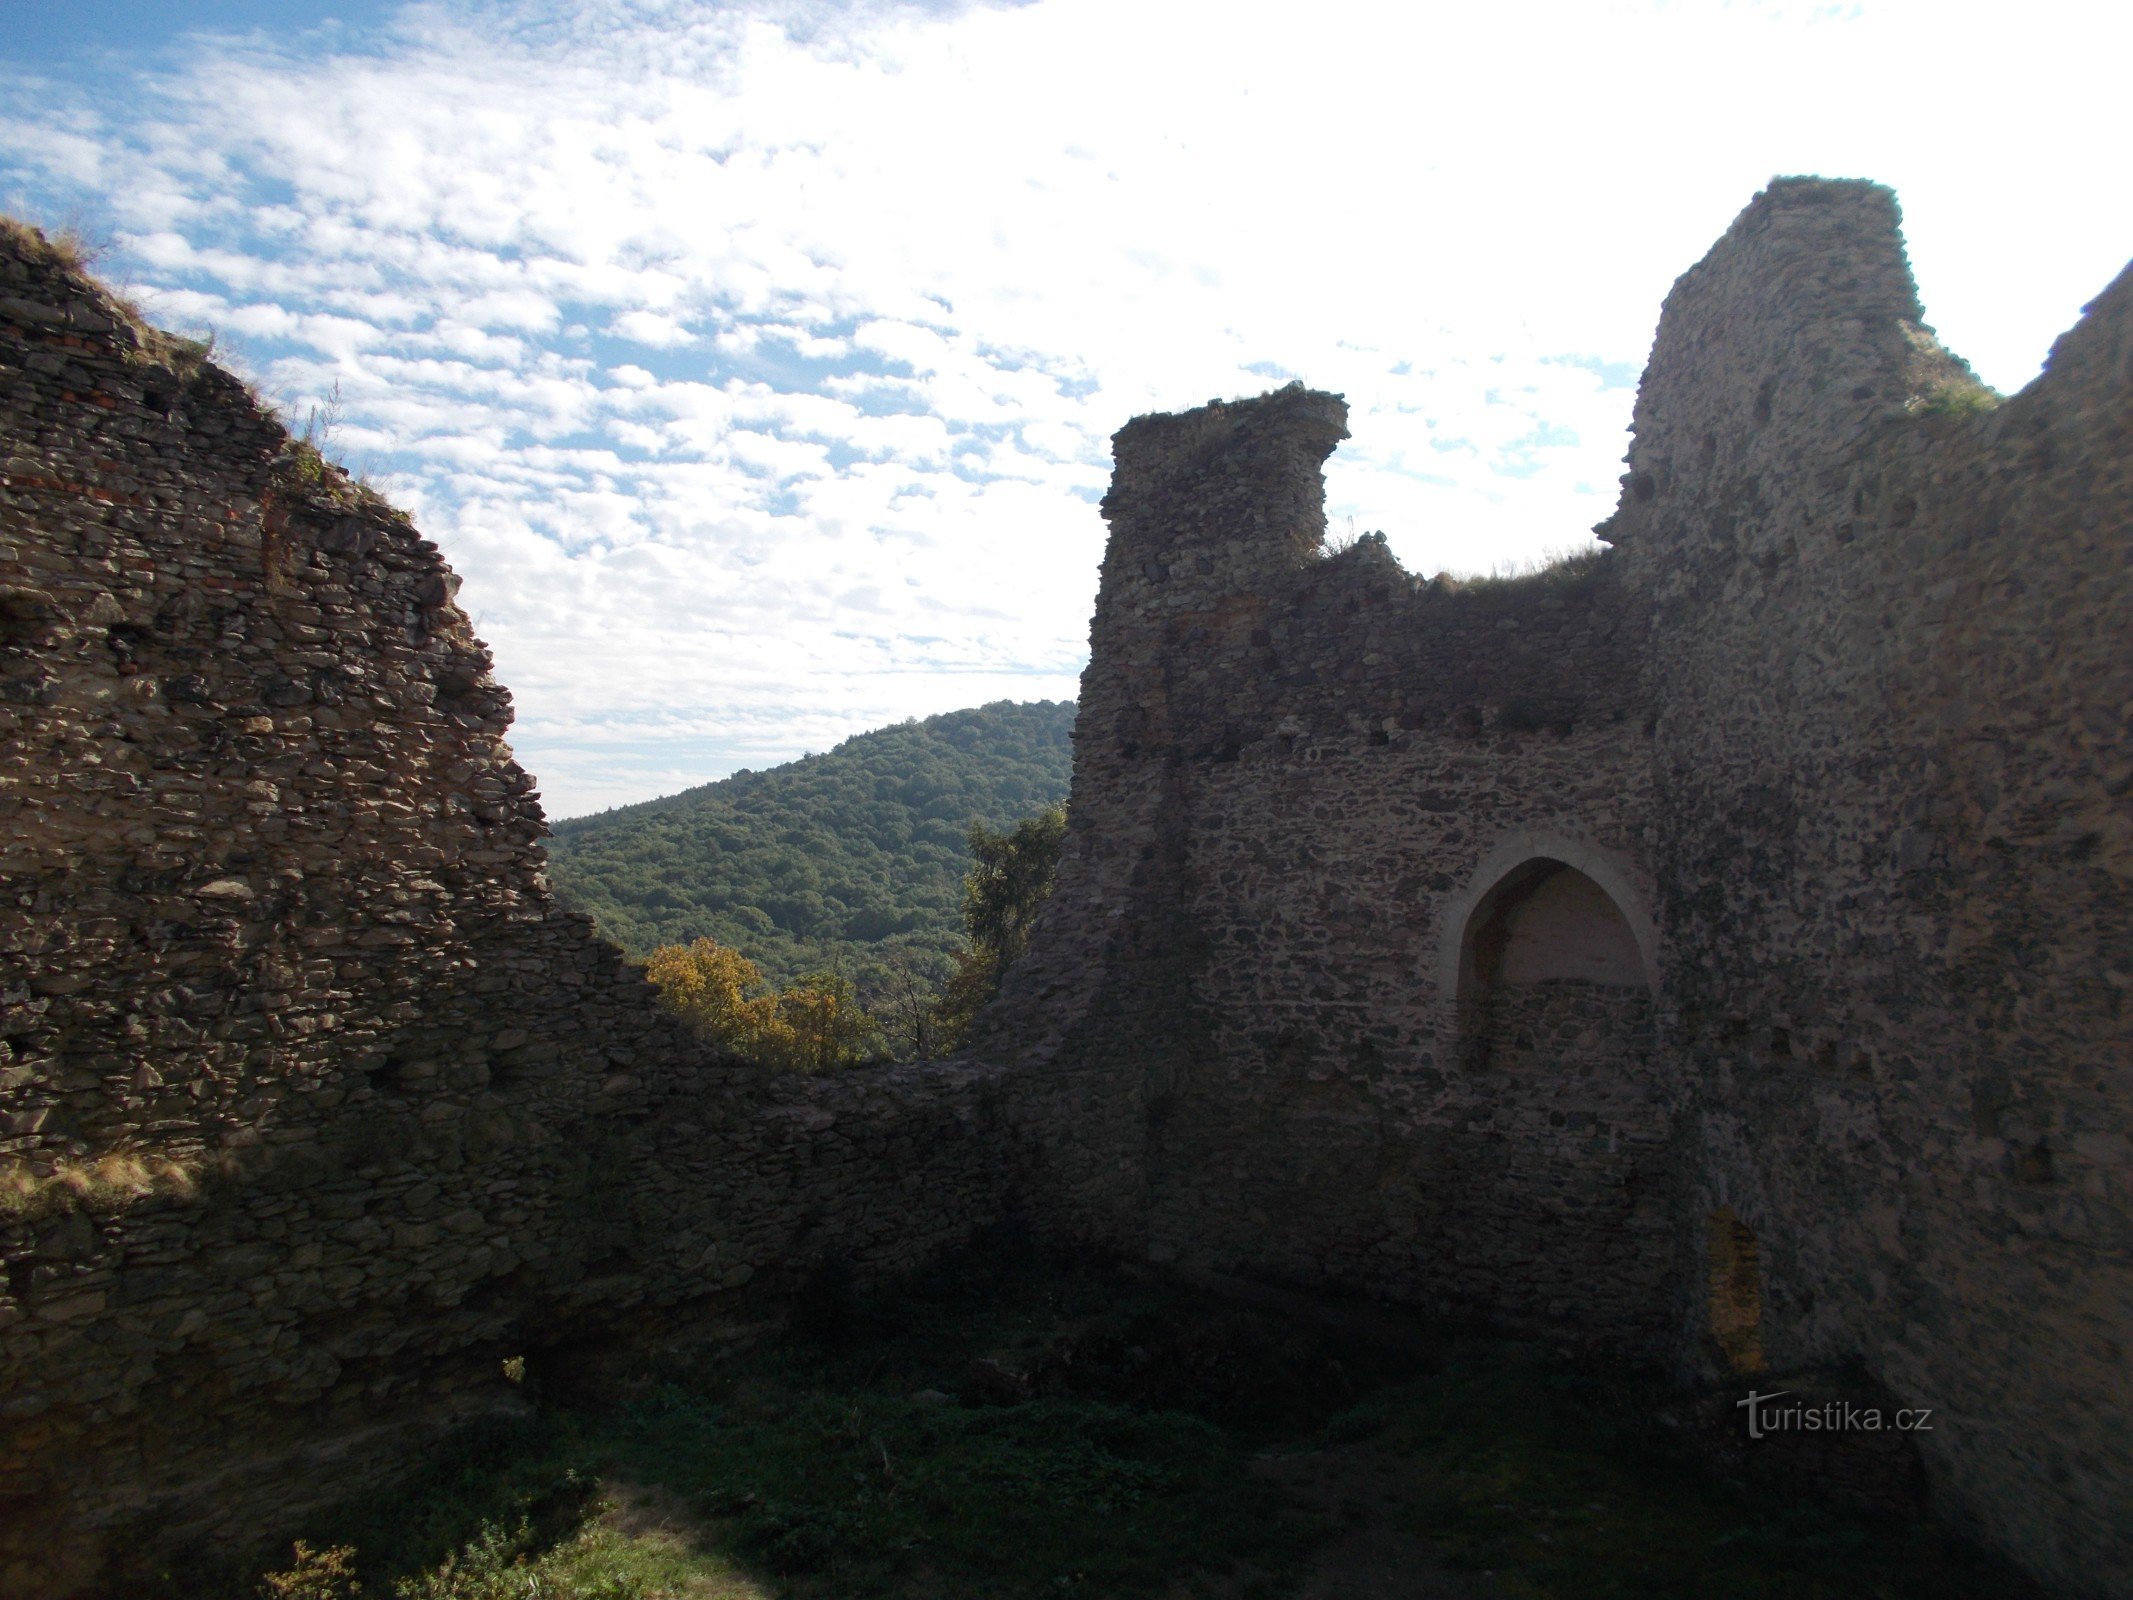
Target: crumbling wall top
1247	474
1792	341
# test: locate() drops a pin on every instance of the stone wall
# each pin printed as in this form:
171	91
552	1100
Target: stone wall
1894	840
1287	761
316	1105
1839	727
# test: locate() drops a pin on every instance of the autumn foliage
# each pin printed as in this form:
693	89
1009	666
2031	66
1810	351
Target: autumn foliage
816	1021
812	1024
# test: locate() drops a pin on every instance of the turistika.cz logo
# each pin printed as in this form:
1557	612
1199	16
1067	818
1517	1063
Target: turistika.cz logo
1827	1416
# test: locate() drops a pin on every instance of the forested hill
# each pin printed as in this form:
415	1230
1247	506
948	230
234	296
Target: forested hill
842	859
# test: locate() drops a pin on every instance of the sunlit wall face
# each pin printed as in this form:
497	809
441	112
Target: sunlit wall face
757	367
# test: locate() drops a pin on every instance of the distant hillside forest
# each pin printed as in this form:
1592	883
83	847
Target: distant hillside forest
852	860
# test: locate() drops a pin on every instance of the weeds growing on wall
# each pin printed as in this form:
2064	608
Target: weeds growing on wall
71	248
1959	396
107	1183
306	462
1563	569
70	245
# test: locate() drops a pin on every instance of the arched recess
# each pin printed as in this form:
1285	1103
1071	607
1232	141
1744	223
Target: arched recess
1545	921
1547	954
1513	871
1563	1193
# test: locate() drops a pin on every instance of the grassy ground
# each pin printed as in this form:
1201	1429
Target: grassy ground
1006	1432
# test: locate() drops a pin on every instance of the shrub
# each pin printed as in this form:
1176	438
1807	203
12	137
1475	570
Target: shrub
1962	396
327	1574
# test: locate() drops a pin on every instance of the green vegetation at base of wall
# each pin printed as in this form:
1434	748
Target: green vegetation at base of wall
853	859
1002	1431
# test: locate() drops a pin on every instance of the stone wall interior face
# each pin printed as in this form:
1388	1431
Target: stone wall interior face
316	1106
1836	731
1717	952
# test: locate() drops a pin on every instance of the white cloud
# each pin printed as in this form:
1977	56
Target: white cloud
875	284
653	329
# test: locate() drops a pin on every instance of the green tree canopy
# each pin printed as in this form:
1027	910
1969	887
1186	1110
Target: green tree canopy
1011	875
852	860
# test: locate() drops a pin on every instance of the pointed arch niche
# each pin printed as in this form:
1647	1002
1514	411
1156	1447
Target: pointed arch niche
1542	906
1565	1195
1545	921
1549	931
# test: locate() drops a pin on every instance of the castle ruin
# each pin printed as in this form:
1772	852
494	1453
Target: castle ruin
1717	952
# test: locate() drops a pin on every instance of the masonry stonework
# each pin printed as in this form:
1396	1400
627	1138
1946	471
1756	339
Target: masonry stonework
316	1106
1716	951
1838	727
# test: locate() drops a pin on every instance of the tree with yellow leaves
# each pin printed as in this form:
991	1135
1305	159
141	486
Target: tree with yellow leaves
706	985
814	1024
820	1023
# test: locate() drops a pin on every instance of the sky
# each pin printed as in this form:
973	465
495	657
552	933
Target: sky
756	364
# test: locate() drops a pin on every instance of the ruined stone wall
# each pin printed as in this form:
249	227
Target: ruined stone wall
1837	731
1894	840
1286	763
1839	726
316	1106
